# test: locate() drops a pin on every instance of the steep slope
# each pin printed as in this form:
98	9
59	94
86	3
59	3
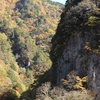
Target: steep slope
25	36
76	47
27	26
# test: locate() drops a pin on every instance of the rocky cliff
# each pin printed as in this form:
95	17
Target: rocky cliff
76	47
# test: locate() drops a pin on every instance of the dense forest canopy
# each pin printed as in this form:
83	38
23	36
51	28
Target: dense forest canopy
26	29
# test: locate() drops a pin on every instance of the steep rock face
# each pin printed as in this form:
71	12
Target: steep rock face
76	46
93	73
73	58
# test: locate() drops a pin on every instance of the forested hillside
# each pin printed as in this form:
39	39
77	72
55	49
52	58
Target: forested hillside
26	29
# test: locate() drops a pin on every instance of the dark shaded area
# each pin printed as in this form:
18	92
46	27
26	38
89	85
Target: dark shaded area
30	94
9	95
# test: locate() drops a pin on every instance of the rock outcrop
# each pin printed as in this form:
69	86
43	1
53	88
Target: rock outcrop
76	46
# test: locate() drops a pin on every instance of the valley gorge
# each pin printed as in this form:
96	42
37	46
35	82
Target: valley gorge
49	51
